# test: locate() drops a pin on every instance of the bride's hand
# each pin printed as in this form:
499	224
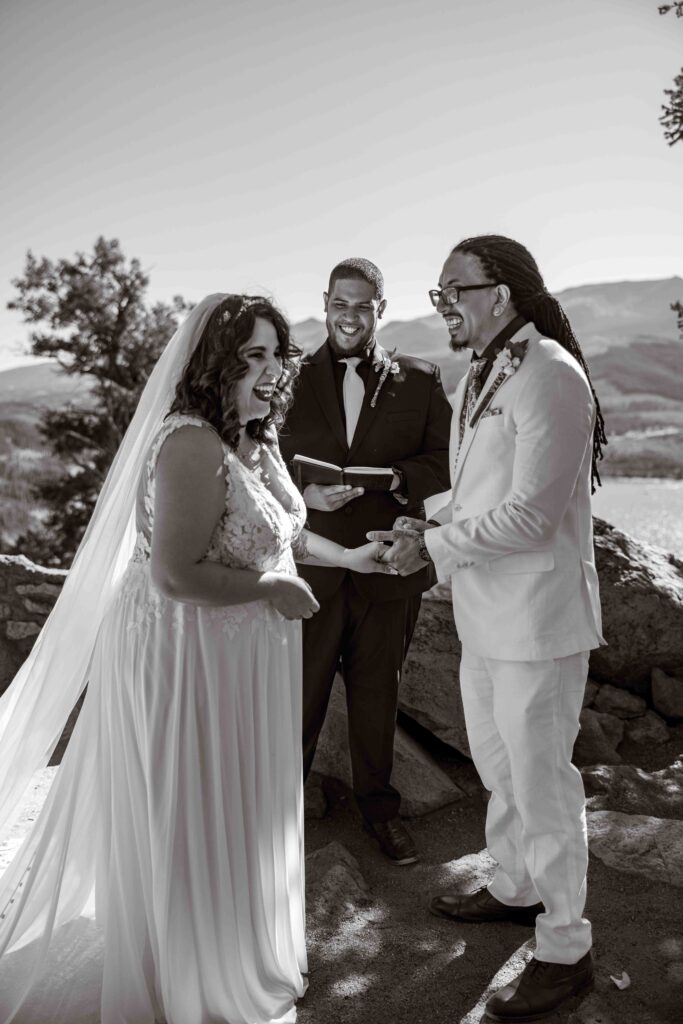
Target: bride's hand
291	595
367	558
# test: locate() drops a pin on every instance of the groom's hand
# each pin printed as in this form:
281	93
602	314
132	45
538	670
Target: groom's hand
329	497
408	524
404	554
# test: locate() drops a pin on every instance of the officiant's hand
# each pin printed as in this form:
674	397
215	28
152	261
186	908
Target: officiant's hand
368	558
330	497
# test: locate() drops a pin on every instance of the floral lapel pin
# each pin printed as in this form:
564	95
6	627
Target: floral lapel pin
505	365
383	364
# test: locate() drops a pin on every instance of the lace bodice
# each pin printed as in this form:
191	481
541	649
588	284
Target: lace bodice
264	512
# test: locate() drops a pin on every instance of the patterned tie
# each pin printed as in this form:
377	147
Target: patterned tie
472	392
353	394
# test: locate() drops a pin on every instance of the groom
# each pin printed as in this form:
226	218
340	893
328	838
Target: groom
516	540
356	404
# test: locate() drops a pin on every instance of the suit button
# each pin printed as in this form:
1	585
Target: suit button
457	508
348	511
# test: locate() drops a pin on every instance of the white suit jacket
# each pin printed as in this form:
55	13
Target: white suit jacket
517	539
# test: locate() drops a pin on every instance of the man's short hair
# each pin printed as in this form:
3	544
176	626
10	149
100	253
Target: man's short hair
359	269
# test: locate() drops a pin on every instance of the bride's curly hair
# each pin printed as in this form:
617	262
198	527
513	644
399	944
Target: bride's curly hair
207	385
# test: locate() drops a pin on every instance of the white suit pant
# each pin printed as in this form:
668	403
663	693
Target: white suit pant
522	719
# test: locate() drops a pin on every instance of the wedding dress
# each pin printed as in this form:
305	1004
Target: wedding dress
163	878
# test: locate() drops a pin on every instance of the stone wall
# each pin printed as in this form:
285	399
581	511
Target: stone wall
27	594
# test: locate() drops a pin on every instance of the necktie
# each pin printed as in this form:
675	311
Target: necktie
472	392
353	393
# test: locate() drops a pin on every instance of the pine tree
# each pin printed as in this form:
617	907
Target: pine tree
90	316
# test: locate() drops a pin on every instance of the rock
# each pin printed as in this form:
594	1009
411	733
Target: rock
594	744
590	693
465	874
422	784
634	791
641	591
20	630
37	607
430	686
619	702
667	694
612	727
335	886
315	804
648	729
638	844
52	590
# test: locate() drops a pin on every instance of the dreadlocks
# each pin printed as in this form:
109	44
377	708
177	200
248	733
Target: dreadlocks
508	262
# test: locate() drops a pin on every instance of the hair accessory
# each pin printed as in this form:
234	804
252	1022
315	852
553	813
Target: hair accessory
245	303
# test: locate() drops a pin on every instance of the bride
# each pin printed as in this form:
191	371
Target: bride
175	819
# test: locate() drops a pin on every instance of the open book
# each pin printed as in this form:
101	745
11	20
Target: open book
313	471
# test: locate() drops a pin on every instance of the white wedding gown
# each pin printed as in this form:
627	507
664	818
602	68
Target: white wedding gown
187	757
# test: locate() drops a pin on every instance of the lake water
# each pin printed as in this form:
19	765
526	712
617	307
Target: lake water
649	509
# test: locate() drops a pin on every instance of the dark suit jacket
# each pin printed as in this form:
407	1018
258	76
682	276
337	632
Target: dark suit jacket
409	428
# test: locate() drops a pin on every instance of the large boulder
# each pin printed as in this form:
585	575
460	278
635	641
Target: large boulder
667	693
634	791
430	687
638	844
422	784
641	592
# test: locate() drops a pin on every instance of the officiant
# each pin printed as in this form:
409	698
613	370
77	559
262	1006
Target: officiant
358	405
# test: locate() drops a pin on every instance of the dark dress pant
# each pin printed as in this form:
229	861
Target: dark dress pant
370	639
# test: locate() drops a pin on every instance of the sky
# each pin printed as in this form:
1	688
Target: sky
250	145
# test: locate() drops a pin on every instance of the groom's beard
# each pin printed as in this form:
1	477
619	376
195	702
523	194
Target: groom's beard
457	346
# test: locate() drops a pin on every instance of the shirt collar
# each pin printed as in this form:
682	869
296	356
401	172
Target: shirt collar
369	358
497	343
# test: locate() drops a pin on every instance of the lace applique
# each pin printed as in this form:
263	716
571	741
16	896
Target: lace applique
264	515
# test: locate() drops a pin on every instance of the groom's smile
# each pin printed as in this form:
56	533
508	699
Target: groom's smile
469	304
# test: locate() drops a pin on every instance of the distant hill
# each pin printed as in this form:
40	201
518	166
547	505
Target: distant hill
43	385
605	317
627	331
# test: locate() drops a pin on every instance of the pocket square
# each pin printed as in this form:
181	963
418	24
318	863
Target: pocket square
491	412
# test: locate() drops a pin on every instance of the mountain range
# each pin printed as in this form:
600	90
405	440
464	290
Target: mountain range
626	329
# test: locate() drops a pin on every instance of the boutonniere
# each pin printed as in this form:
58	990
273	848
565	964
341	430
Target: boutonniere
510	357
384	365
506	363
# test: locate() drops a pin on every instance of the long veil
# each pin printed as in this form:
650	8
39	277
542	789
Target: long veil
51	878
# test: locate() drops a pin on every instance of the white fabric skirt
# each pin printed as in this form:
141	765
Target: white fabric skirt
177	817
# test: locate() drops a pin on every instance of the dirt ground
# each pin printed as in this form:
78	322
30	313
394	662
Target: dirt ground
395	963
392	962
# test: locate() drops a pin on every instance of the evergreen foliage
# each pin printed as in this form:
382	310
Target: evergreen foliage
90	315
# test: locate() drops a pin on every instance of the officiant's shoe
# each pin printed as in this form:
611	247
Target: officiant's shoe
477	907
394	839
540	989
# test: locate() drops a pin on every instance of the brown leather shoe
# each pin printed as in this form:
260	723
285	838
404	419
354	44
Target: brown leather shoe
394	839
480	906
540	989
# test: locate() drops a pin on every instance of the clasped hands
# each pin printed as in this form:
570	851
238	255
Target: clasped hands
404	553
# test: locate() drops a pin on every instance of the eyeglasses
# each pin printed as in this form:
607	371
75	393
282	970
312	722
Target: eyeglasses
451	293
